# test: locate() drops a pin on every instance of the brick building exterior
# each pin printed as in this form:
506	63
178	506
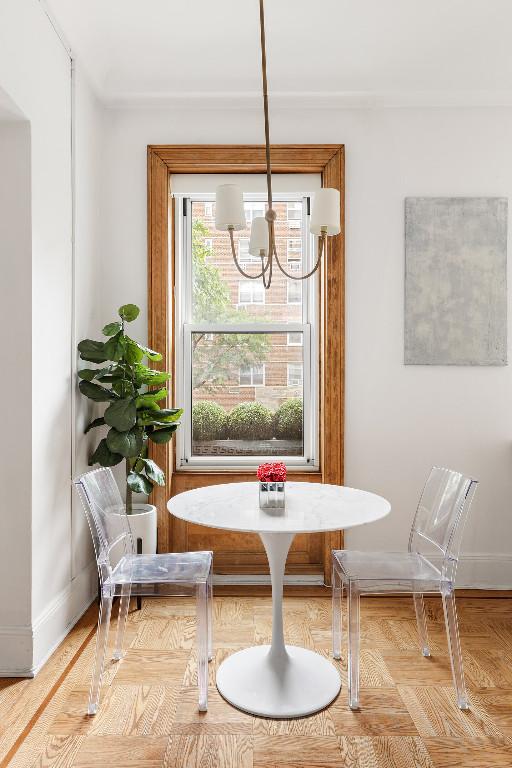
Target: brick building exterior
279	376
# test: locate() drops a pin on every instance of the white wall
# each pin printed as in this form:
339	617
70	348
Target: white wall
399	420
35	73
15	389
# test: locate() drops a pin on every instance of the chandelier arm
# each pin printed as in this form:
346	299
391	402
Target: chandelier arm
265	102
242	272
322	248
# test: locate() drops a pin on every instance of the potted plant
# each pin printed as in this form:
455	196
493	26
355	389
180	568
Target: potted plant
132	392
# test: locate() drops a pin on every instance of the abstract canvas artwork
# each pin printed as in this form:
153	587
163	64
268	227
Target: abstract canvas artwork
455	281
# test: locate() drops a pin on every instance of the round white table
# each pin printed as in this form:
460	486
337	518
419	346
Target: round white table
278	680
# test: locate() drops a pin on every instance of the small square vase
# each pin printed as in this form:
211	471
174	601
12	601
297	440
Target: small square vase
272	495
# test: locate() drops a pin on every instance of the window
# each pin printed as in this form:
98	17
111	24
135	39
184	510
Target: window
243	352
208	243
251	292
294	374
294	215
243	251
208	210
294	339
252	211
293	292
294	249
252	376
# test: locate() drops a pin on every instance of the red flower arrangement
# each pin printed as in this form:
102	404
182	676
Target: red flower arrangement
272	472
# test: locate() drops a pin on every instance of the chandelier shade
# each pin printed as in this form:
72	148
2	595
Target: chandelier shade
229	208
258	243
325	212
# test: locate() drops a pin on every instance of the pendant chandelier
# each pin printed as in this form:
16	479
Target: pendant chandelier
230	213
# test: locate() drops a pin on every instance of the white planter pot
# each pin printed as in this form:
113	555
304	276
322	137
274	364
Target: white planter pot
143	525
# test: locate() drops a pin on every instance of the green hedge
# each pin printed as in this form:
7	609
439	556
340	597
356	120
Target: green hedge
288	420
250	421
208	421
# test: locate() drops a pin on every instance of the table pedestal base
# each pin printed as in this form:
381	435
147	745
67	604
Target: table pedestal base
295	683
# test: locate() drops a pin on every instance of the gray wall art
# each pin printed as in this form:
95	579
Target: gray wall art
455	281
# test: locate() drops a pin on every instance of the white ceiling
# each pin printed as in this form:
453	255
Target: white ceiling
145	50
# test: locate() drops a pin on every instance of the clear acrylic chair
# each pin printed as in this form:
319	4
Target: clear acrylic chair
124	574
436	533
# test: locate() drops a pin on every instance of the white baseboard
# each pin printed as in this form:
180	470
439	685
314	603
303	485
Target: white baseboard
24	650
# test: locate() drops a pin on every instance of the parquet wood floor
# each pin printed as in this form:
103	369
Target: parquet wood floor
148	715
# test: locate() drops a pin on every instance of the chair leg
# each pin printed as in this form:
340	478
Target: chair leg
210	618
419	607
336	613
139	552
124	604
353	645
452	630
202	643
101	649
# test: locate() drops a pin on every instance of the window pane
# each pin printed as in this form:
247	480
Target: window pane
247	395
217	295
294	292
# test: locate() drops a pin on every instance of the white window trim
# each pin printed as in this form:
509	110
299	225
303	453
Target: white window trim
288	257
183	339
252	384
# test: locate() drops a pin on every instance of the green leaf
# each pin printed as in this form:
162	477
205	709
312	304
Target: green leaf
163	435
111	328
149	399
152	378
122	414
129	312
92	351
87	373
138	483
94	423
128	444
104	456
154	472
169	414
133	353
115	346
123	388
95	392
154	356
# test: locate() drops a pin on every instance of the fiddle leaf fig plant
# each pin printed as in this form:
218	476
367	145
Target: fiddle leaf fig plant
132	393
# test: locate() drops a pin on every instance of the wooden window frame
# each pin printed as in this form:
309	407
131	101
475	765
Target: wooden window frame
329	161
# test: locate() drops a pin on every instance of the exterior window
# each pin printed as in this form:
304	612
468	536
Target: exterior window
294	375
208	210
294	215
251	292
294	249
243	251
293	292
252	376
294	339
246	356
252	211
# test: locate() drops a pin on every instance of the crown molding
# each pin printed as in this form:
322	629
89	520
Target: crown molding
325	100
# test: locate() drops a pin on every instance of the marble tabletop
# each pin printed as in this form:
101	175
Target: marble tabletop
310	507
